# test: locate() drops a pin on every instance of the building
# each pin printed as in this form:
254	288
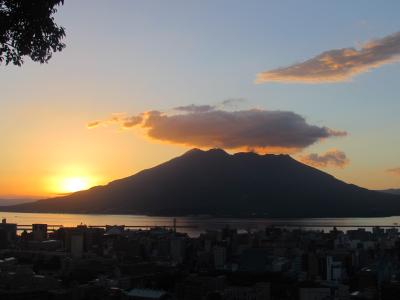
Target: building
147	294
39	232
177	251
195	287
74	241
219	254
333	269
260	291
77	245
315	293
8	233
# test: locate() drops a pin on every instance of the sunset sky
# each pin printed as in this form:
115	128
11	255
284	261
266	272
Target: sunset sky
141	82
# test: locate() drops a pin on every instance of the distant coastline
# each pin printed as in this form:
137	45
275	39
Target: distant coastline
195	225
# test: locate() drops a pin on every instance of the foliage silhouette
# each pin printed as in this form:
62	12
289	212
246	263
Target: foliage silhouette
27	28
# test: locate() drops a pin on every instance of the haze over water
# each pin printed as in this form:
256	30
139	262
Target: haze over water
196	225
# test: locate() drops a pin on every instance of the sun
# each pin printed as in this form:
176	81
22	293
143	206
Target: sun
74	184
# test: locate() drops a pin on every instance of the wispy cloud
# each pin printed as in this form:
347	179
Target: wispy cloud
122	119
338	64
332	158
195	108
93	124
232	102
257	130
394	171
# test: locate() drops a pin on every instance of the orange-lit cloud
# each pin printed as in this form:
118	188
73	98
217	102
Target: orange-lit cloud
338	64
332	158
132	121
121	119
257	130
394	171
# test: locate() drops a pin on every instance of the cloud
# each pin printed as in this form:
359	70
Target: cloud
195	108
121	119
338	64
131	121
93	124
232	102
257	130
333	158
226	104
336	132
394	171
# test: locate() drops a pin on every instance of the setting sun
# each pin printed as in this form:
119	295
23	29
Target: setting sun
70	185
71	178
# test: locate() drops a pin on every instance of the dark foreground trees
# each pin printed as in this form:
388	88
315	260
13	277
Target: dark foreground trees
27	28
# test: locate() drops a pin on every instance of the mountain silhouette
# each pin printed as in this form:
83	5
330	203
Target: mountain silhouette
391	191
216	183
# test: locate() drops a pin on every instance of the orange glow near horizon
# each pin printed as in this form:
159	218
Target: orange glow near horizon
71	178
74	184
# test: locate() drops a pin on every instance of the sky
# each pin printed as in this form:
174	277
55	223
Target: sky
141	82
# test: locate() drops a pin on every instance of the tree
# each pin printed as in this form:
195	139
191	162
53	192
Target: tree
27	28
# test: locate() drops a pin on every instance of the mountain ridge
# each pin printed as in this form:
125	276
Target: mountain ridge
216	183
391	191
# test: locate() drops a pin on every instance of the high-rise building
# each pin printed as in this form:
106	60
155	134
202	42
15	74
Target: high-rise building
8	233
74	240
177	251
39	232
77	244
333	269
321	293
219	254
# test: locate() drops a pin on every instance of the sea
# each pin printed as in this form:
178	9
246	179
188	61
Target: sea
194	226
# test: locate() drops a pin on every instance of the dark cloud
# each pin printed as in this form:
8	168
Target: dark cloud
250	129
339	64
394	171
333	158
195	108
257	130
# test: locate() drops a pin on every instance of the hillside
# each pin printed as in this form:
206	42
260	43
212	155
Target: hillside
216	183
